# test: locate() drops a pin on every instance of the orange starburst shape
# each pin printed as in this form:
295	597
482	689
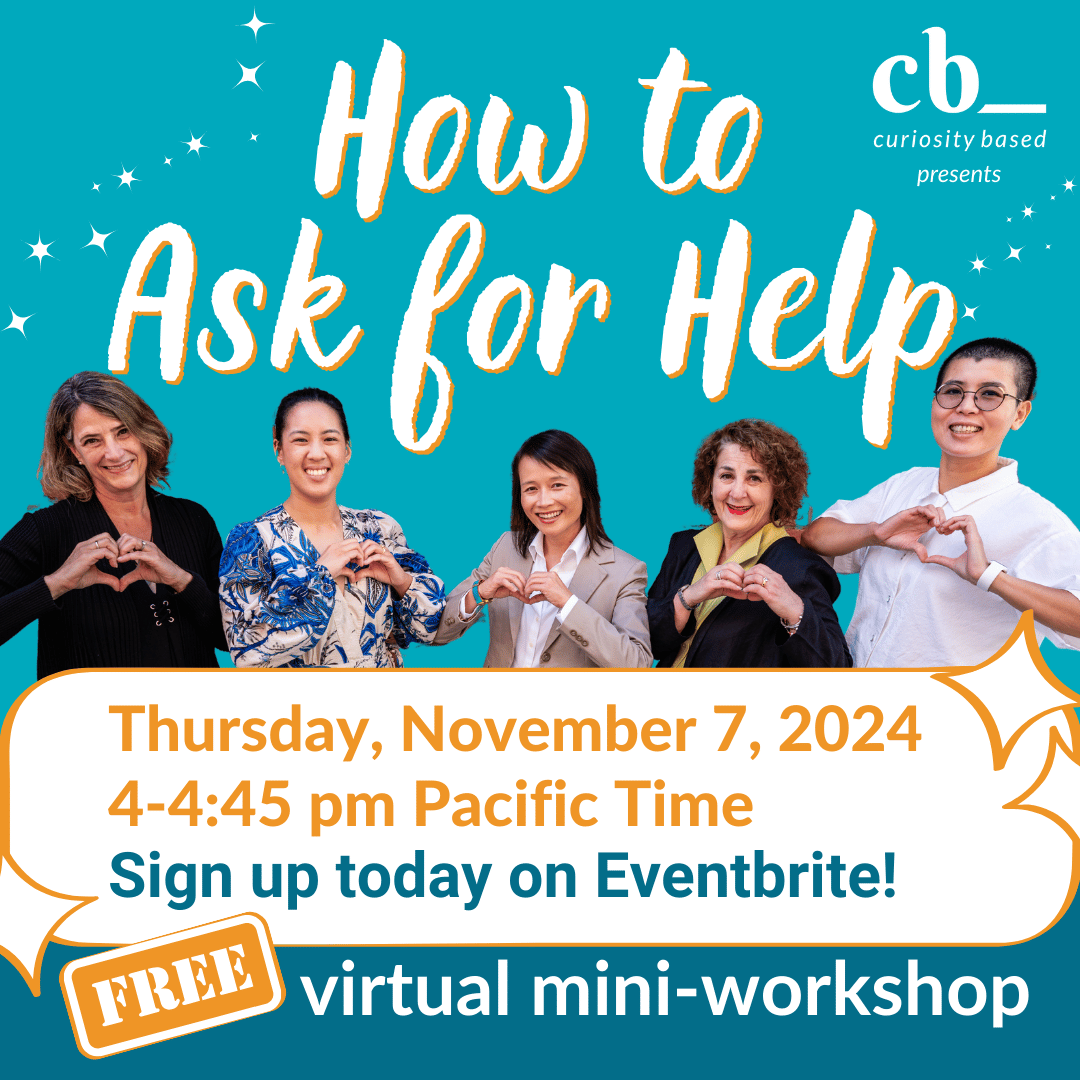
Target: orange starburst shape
1058	792
1022	688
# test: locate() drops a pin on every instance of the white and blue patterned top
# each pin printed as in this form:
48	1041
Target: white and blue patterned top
282	608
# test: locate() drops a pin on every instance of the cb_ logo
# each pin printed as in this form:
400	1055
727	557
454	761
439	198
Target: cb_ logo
938	65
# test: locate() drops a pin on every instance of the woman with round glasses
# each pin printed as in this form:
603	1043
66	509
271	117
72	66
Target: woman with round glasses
947	558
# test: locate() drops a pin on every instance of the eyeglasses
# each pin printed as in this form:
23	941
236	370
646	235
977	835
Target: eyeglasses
987	398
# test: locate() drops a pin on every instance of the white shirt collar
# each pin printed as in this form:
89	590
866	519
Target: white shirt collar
578	546
1002	477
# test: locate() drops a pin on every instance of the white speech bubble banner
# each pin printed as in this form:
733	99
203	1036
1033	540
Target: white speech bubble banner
478	807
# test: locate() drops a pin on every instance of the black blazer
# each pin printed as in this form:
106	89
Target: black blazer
746	633
95	626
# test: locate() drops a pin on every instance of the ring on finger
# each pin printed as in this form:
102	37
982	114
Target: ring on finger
764	581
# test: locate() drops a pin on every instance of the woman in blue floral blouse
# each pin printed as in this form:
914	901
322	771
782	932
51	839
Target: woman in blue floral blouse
314	584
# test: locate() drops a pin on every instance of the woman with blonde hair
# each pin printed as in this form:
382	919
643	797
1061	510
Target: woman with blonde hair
116	573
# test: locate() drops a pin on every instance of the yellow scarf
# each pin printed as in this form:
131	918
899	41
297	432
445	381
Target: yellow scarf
710	544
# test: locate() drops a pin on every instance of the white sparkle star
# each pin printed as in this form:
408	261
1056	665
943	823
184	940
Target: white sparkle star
195	144
17	322
1014	253
39	250
1053	197
978	264
969	312
249	75
1008	219
254	137
255	26
125	176
1068	185
1028	211
97	187
98	239
1047	247
168	161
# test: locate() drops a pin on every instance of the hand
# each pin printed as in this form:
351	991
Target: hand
764	583
152	564
378	563
902	531
546	585
340	556
724	580
80	569
502	583
973	562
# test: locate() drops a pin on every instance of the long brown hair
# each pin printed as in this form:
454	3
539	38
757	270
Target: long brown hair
60	473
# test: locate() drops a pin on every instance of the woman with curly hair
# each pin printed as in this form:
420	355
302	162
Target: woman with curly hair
743	593
115	573
315	584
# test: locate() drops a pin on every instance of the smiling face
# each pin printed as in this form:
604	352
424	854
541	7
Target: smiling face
964	431
551	500
114	458
741	493
312	449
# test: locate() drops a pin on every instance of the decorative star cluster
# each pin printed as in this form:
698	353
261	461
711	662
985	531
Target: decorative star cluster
980	264
127	178
247	75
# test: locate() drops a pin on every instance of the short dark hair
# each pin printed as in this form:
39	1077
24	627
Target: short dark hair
300	397
774	449
557	450
996	348
60	473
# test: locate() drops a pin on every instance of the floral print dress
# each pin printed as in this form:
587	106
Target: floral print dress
282	608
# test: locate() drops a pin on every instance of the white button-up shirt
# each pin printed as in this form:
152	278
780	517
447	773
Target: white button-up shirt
538	619
914	614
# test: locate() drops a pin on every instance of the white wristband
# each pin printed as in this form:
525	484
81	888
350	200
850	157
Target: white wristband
989	576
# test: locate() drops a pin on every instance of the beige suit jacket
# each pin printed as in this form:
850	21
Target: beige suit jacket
607	627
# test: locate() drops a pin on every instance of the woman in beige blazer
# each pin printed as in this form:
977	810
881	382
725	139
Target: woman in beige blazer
560	594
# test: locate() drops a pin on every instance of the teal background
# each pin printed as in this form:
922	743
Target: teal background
88	89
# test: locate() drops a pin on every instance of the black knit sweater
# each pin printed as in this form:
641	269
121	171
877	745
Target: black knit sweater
95	626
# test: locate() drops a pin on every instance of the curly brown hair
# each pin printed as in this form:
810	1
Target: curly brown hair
60	473
777	451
